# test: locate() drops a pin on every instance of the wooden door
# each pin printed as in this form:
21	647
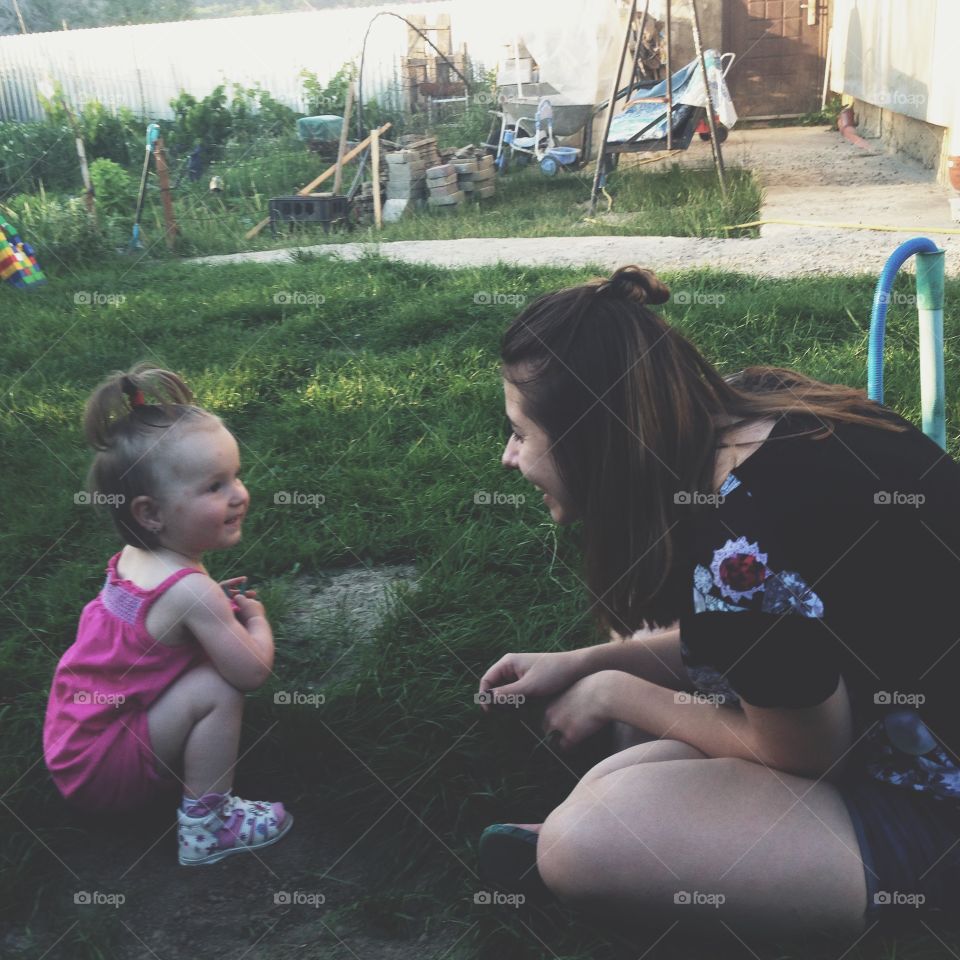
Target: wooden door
780	47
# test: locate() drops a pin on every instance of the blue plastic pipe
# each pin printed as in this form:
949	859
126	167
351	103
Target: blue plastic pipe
930	271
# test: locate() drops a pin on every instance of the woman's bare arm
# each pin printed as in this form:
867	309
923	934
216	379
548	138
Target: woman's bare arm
651	655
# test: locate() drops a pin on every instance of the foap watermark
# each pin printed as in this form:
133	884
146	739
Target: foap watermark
295	498
97	898
298	298
95	498
500	699
896	298
898	98
497	499
99	698
684	897
299	698
713	699
487	297
898	498
896	698
498	899
96	298
697	498
696	298
896	898
298	898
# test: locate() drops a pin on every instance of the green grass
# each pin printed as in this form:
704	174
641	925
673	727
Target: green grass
385	398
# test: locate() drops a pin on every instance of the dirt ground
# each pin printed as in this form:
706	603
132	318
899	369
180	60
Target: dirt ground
807	173
272	905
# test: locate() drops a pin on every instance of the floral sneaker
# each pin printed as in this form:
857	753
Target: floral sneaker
230	826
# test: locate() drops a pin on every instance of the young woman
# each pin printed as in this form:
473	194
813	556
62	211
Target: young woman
782	554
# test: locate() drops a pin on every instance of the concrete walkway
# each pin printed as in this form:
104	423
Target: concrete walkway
807	173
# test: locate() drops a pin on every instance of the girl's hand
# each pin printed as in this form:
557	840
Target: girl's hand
230	587
249	607
582	710
529	675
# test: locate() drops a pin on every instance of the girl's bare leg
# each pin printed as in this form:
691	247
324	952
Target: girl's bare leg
198	719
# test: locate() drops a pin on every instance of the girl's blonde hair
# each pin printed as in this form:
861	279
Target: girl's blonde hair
126	420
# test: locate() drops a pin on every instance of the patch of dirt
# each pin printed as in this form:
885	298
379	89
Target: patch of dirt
338	608
275	904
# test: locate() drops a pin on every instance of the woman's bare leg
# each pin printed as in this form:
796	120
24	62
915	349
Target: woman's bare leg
707	844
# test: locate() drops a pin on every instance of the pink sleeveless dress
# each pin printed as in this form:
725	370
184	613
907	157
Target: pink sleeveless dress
96	741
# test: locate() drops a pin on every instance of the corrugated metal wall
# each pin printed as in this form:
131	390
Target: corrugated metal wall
144	67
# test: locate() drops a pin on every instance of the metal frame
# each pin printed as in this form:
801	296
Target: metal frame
616	93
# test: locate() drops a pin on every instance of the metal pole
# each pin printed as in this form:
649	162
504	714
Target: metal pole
636	53
669	86
598	173
717	155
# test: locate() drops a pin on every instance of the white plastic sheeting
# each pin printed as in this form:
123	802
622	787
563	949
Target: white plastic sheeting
576	43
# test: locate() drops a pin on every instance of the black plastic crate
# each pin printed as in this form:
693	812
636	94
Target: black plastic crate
325	210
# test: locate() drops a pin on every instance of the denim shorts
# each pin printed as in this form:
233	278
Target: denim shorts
910	846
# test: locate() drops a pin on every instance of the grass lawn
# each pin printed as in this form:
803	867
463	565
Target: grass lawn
378	391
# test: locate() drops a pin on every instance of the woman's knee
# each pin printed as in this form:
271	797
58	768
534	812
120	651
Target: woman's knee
569	852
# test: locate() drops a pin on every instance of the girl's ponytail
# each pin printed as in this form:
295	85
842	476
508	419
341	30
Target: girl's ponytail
123	395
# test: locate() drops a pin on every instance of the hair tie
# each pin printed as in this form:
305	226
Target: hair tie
134	395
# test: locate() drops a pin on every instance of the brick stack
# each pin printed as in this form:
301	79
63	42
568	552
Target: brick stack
476	174
443	186
424	148
407	176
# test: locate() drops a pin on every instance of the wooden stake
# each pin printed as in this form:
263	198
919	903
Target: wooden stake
338	179
164	177
611	105
375	171
329	172
711	122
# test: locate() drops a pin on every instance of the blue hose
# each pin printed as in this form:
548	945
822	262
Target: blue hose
878	316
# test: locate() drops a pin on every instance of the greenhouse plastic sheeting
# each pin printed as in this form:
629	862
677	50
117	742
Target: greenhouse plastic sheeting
319	128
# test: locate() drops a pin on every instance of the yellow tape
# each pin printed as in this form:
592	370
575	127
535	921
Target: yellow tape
844	226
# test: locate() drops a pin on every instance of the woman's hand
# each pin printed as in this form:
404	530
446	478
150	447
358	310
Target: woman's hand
529	675
583	710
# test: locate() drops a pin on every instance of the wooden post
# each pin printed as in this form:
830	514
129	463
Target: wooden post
338	177
669	28
714	141
329	172
82	157
611	104
163	176
375	171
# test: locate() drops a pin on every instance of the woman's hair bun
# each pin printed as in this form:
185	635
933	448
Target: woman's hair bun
637	284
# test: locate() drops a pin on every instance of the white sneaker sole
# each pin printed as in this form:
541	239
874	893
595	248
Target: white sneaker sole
243	848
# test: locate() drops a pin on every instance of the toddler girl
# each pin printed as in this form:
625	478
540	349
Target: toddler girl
150	695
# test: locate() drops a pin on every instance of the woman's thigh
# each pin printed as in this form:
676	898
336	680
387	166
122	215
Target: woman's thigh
706	844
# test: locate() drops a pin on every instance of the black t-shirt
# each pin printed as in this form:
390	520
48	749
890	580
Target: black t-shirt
838	556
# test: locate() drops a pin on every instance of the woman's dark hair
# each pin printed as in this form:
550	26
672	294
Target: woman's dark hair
131	436
632	411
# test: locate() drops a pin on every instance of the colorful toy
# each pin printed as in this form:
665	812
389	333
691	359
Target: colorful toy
18	262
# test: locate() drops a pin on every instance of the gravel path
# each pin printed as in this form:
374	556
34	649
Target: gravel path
807	173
